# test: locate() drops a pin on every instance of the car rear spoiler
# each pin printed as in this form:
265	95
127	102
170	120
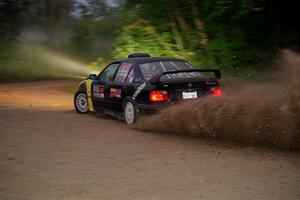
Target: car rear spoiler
217	73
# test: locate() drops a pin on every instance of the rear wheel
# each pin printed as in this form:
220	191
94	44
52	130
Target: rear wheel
129	113
81	103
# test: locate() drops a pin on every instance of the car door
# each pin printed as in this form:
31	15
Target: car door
100	87
119	87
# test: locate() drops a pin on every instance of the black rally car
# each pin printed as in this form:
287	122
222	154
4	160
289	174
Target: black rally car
143	84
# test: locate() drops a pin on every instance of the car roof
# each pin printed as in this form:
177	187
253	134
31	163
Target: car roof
140	60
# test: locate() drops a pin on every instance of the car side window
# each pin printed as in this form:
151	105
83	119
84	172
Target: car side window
109	72
130	76
122	72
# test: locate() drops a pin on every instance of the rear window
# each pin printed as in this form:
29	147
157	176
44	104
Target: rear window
153	68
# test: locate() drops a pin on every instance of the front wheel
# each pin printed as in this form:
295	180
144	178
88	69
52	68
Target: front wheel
129	113
81	102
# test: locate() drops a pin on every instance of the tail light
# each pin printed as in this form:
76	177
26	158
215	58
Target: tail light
216	91
159	95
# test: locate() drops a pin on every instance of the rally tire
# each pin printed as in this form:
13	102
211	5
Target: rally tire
81	102
130	114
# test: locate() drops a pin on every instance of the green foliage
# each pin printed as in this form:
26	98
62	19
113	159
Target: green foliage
229	34
137	38
176	28
77	31
97	65
92	38
223	23
83	37
226	11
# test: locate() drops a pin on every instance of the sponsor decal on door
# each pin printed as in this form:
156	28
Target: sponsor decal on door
99	91
118	93
115	93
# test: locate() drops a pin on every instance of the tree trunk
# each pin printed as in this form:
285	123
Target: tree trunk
199	25
185	27
176	34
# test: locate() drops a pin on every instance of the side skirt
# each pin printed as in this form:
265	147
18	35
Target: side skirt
115	114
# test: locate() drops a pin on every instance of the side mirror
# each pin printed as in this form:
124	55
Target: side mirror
92	77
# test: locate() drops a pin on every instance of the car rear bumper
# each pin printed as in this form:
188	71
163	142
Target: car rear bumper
152	108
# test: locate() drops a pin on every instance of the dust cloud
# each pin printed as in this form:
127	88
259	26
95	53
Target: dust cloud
265	113
35	56
36	62
54	63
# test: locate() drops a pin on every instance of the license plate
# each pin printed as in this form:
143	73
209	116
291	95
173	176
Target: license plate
189	95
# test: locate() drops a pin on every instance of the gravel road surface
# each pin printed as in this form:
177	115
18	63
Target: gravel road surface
49	152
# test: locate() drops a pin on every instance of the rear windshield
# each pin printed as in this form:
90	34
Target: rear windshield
153	68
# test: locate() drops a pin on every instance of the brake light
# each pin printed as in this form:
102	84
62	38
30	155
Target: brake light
216	91
159	95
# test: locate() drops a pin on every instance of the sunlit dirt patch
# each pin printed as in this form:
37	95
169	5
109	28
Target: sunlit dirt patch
262	113
43	95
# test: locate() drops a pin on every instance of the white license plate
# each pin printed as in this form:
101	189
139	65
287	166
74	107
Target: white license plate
189	95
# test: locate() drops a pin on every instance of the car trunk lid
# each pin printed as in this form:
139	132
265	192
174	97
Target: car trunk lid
186	84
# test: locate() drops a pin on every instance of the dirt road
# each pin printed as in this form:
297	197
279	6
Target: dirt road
47	151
